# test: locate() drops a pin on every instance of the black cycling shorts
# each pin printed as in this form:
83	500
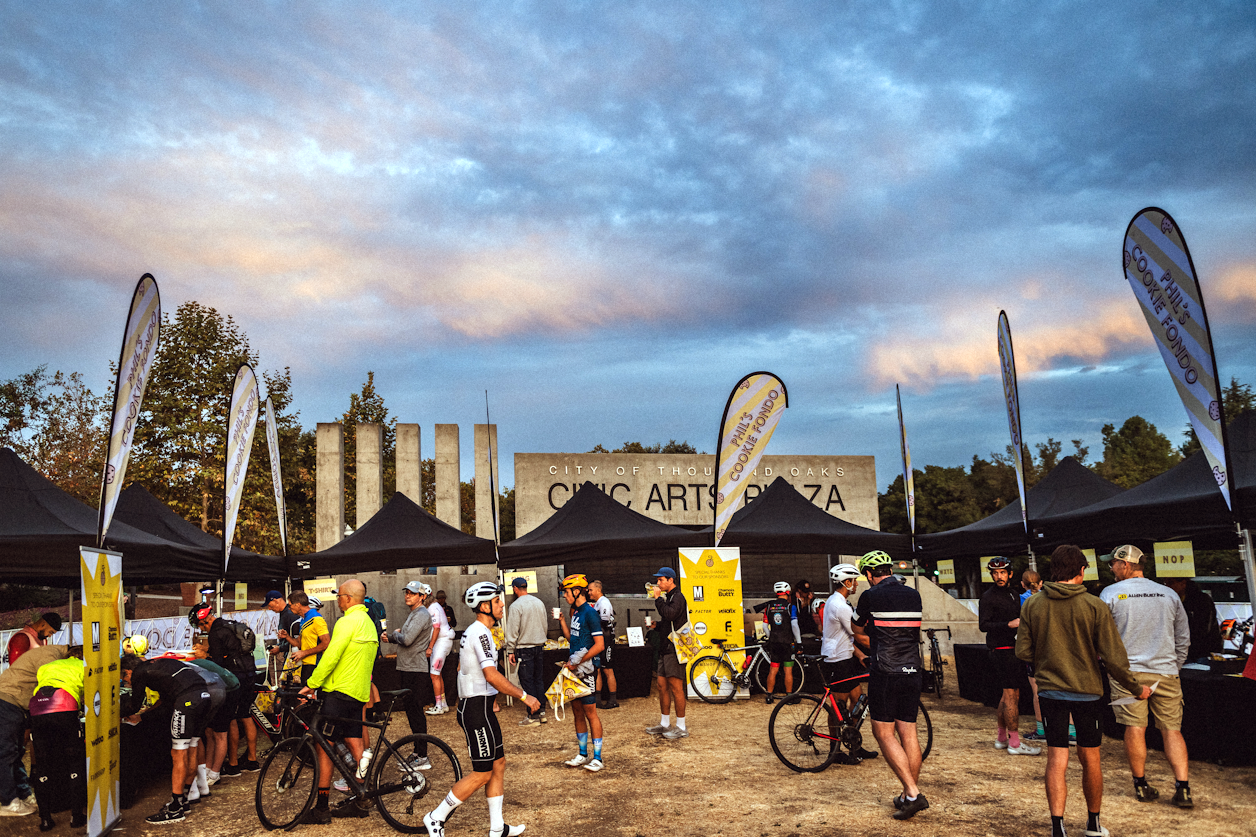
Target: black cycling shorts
246	694
341	716
1087	720
780	652
605	658
894	697
191	712
484	734
843	675
1009	670
224	714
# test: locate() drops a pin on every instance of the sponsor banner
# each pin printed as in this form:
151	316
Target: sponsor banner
711	580
1091	573
946	571
985	569
908	483
102	649
241	422
1160	271
530	575
276	477
1007	364
750	417
325	588
241	596
1175	559
139	347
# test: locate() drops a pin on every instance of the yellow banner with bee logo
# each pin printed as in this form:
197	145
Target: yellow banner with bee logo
710	580
102	644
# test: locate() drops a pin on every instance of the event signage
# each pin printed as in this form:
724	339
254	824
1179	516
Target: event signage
1175	559
276	477
324	587
241	422
946	571
101	572
711	582
241	596
1162	275
908	483
754	407
1007	364
1091	573
985	569
527	575
139	347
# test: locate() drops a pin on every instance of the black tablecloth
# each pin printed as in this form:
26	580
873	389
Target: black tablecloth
979	682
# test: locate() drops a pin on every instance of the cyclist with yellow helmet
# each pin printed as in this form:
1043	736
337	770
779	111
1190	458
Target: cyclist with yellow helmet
584	634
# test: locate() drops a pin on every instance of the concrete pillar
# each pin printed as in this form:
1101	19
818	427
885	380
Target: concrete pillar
485	438
448	473
370	472
410	462
329	499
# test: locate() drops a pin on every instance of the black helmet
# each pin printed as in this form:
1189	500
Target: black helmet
999	563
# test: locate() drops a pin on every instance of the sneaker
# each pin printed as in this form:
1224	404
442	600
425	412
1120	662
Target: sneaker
317	816
250	766
365	763
899	802
1000	745
593	765
577	761
544	720
658	730
350	810
435	827
529	721
846	759
911	807
230	770
768	699
421	763
213	778
1146	793
1033	736
1182	798
675	733
436	710
1102	832
508	831
17	808
864	754
1024	750
611	704
340	785
170	812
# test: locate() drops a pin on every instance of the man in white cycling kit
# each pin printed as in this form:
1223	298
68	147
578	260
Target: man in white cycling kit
442	644
479	682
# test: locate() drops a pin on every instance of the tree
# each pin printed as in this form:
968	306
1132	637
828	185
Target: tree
367	407
672	446
1236	399
1135	453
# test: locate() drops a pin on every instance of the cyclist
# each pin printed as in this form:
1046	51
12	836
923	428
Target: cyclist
843	661
479	682
781	617
584	634
1031	582
606	663
225	649
998	615
442	644
312	634
887	625
412	640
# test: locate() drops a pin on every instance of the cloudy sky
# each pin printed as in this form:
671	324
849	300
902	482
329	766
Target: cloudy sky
605	214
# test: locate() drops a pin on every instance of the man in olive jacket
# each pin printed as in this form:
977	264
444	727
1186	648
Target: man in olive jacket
1062	634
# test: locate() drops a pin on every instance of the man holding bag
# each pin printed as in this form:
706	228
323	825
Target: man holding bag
584	635
673	611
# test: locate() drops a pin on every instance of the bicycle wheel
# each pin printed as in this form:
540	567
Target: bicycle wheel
406	793
287	783
935	660
712	679
803	732
924	730
800	675
759	668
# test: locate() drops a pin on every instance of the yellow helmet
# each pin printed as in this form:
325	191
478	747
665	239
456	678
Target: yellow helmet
136	644
575	581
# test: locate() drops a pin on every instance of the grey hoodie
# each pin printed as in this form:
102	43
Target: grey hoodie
1063	633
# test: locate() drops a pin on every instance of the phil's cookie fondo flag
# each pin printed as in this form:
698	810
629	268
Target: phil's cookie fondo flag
908	483
750	416
139	347
1007	363
1162	275
276	476
241	422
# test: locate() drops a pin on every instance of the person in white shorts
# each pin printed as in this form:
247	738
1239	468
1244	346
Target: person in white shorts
479	682
442	644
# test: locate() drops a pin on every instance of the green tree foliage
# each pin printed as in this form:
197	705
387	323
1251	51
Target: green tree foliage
1236	399
1135	453
672	446
367	407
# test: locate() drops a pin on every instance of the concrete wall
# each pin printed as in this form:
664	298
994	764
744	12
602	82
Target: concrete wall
485	440
329	498
370	472
410	462
448	464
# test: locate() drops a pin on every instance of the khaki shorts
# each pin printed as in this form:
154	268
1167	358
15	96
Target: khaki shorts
669	666
1165	702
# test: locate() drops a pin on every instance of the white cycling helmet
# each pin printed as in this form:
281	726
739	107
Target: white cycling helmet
781	587
843	572
316	603
484	591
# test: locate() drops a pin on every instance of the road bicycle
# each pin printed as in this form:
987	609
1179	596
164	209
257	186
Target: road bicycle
933	674
715	679
1238	633
276	716
402	790
808	731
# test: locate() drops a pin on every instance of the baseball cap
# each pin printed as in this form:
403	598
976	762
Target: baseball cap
271	596
414	587
665	572
520	582
1128	553
53	620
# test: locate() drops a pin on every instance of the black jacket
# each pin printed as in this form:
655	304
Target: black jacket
999	605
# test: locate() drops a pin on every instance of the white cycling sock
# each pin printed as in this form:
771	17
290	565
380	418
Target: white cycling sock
495	821
447	806
202	778
680	723
665	721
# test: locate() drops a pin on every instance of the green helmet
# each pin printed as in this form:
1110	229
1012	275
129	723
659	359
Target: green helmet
876	558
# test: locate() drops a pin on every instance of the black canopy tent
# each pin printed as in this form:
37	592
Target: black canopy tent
42	528
1069	486
401	534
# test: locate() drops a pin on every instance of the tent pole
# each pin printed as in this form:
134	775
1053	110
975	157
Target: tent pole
1249	564
1033	562
69	621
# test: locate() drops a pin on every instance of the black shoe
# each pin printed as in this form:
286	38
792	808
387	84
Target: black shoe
768	699
1146	793
611	704
899	802
250	766
46	824
230	770
170	812
864	754
846	759
317	816
78	820
1182	798
911	807
350	810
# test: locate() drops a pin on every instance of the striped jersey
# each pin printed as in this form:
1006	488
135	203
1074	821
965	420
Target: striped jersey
889	612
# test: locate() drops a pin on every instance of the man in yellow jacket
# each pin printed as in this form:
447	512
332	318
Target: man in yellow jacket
343	679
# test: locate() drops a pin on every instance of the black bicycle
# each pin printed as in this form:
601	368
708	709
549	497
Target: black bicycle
715	679
808	731
934	675
393	780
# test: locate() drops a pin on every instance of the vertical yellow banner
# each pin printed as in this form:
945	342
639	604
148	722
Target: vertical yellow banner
985	569
102	643
241	596
711	581
1175	559
946	571
1092	566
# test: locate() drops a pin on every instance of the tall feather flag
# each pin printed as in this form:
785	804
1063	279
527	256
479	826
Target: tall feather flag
276	475
139	348
754	407
1007	363
1160	271
909	486
241	422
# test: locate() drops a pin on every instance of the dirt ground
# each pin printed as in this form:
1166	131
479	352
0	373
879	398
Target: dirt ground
725	780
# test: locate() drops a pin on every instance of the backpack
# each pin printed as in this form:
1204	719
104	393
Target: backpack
378	614
248	642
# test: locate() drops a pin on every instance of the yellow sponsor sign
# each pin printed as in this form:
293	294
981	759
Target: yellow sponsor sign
102	649
1175	559
946	571
1092	566
711	582
530	575
985	569
324	588
241	596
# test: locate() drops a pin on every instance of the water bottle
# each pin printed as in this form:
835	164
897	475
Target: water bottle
861	703
346	756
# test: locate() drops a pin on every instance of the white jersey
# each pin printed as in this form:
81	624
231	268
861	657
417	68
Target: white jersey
441	623
476	652
606	613
839	638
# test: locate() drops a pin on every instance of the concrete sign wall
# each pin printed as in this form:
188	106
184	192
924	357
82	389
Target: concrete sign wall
679	488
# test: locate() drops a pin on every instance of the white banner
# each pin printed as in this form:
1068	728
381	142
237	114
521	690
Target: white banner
241	422
276	476
750	416
909	487
1007	363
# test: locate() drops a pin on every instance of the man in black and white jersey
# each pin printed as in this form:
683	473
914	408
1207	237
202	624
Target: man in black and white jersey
887	625
479	682
606	662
